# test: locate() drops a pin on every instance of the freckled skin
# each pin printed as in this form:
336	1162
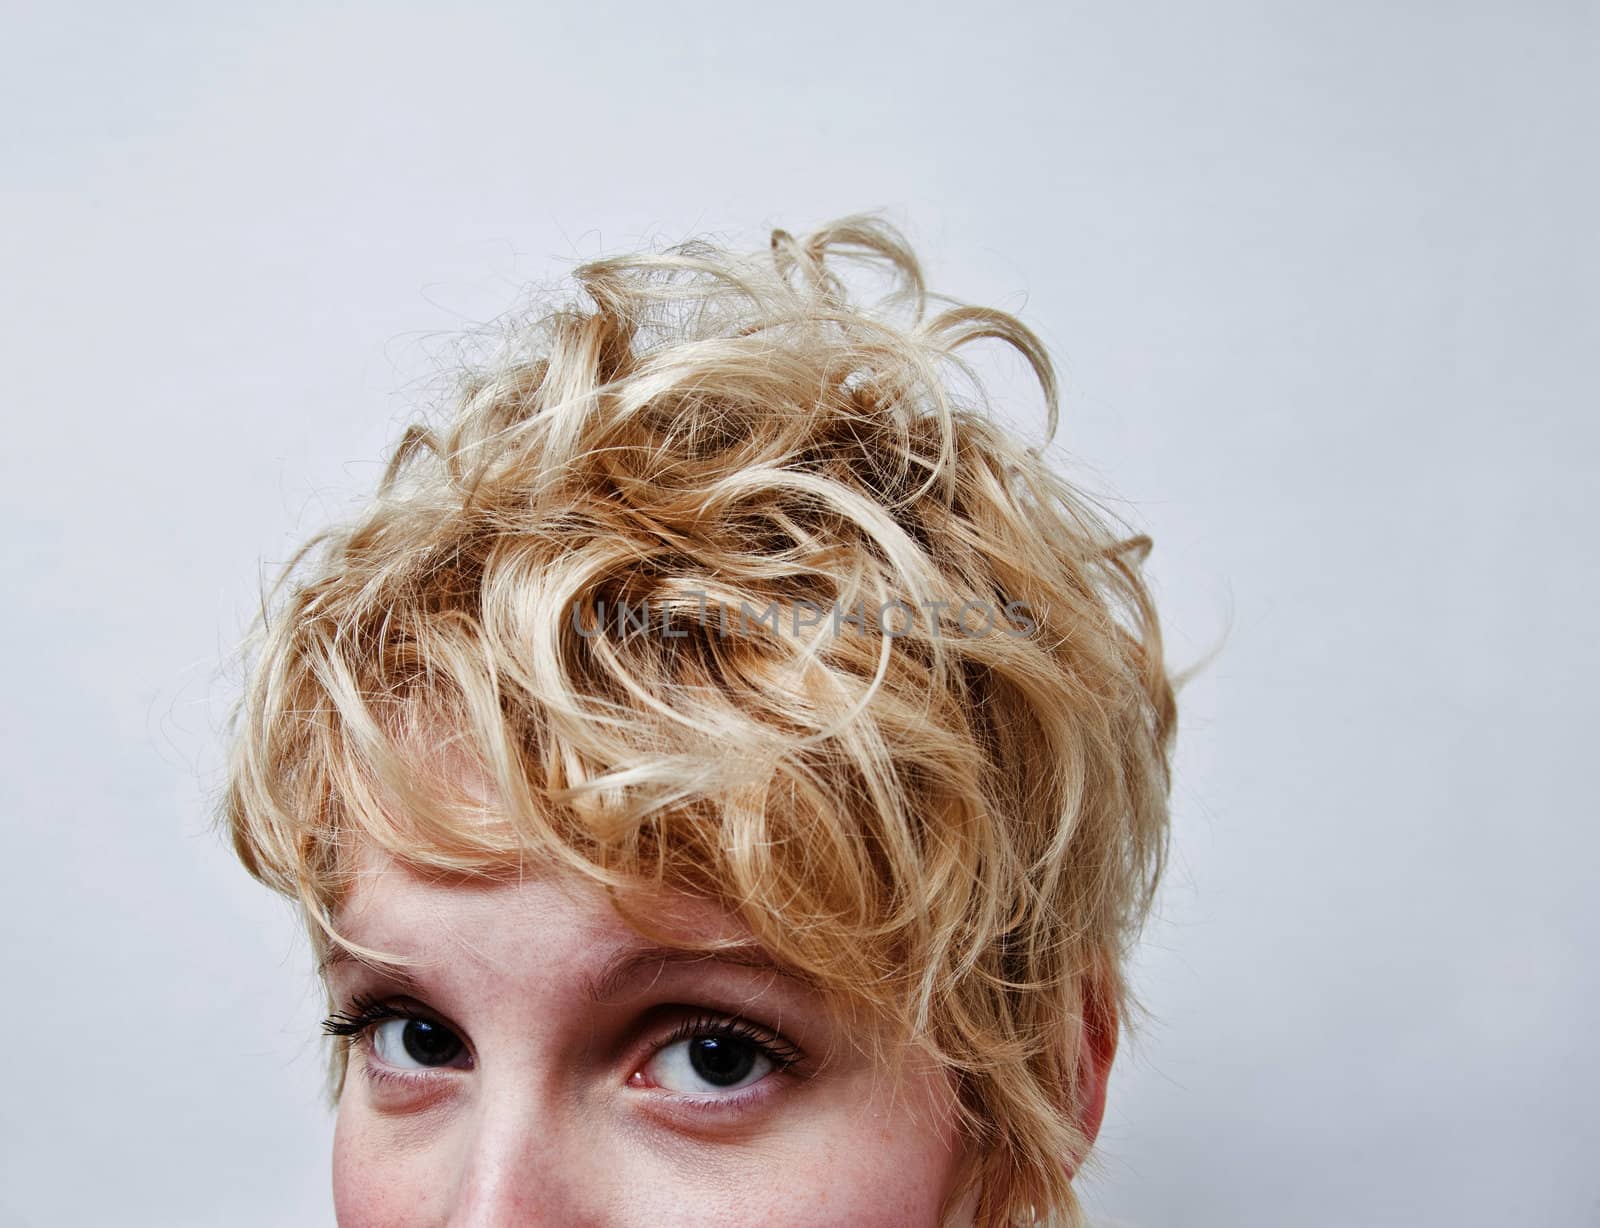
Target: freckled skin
544	1127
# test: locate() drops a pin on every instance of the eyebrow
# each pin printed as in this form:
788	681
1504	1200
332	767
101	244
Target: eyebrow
624	970
620	974
395	972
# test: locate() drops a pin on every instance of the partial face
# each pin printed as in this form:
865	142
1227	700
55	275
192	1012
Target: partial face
543	1064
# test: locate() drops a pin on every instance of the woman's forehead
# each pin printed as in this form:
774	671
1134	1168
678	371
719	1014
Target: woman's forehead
507	920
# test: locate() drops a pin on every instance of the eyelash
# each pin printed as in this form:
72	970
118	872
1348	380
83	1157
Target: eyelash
780	1052
367	1011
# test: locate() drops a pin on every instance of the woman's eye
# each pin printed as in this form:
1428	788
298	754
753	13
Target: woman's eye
411	1044
703	1064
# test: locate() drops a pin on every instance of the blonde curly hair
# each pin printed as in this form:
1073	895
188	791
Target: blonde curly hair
956	833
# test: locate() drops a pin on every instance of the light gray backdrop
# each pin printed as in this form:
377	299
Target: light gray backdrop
1322	281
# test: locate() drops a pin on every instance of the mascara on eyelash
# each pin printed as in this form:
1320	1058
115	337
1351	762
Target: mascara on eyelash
780	1052
364	1011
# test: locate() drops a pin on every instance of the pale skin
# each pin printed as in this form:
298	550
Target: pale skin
538	1062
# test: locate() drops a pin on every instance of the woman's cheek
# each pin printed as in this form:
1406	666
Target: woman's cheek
861	1169
782	1194
381	1180
869	1181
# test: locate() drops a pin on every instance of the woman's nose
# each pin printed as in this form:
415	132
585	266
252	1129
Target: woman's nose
522	1168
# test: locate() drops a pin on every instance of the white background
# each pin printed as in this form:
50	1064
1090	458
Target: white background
1321	278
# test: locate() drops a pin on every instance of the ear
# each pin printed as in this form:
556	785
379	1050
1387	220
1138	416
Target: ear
1097	1049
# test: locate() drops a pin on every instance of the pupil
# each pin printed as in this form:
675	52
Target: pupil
721	1061
430	1044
